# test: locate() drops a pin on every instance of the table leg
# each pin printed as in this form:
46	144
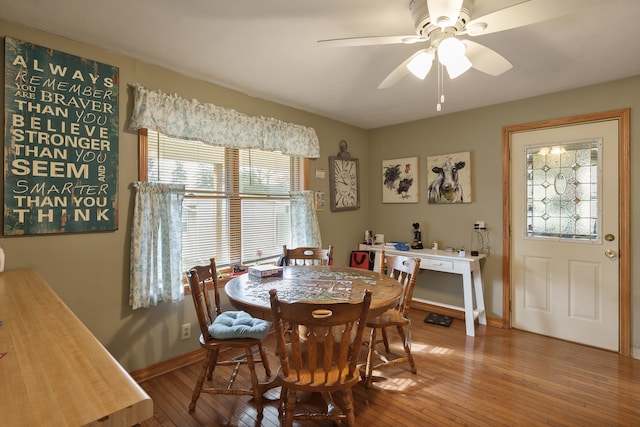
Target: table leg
477	284
467	285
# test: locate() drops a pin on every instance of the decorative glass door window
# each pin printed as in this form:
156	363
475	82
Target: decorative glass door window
563	190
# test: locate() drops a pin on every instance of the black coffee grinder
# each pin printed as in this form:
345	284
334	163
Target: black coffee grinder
417	237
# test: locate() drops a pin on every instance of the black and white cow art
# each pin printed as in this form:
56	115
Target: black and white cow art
446	188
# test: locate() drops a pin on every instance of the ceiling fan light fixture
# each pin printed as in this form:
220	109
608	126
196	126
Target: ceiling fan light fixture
458	67
421	64
449	50
451	54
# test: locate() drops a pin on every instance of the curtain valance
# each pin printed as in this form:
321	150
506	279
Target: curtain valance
189	119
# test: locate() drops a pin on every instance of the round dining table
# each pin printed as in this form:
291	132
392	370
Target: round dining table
320	284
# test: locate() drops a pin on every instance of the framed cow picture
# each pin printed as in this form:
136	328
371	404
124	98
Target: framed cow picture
449	178
400	180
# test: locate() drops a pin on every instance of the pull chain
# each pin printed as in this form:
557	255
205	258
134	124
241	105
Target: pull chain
440	87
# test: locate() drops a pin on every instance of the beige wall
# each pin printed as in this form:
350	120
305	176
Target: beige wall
480	132
90	271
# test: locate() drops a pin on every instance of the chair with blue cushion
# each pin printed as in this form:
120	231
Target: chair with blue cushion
220	331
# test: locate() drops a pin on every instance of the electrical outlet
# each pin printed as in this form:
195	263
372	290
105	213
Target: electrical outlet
186	331
479	225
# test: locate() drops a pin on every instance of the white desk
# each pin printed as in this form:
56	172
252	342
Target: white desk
448	262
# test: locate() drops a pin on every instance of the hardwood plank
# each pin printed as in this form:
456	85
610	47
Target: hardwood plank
502	377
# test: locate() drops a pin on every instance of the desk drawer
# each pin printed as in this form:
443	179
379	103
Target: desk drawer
436	264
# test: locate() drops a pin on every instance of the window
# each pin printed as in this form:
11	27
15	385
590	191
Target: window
563	191
236	206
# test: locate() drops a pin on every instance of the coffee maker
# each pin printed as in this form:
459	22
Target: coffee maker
417	237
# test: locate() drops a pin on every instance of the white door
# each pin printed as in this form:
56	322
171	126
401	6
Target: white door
565	233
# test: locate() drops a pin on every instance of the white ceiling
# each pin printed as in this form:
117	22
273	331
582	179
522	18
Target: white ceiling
268	49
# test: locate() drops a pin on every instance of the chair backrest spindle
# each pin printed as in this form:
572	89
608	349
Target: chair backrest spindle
322	347
199	276
404	270
307	255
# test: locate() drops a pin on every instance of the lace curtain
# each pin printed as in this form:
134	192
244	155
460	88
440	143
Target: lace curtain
305	230
189	119
156	238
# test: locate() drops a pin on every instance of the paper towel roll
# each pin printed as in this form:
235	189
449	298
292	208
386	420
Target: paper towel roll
379	239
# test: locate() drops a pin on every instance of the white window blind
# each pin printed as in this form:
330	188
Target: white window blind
236	206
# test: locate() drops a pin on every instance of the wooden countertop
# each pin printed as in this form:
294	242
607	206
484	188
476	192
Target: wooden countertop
53	371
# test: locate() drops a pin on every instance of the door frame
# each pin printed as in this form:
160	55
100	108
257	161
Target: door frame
624	179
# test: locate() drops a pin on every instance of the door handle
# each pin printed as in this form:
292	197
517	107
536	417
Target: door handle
610	253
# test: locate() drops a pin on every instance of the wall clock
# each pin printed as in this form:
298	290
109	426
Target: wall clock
344	183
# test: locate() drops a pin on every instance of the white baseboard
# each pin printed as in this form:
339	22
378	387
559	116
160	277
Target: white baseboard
635	352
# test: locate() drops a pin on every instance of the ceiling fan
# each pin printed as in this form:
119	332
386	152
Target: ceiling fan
445	24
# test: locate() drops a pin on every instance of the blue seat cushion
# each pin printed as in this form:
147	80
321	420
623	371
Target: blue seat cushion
238	324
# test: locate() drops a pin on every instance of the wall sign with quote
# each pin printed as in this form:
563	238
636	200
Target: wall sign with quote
60	142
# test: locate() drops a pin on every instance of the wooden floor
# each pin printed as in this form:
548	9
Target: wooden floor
499	378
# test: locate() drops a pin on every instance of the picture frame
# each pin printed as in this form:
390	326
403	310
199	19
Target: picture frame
400	179
344	183
449	178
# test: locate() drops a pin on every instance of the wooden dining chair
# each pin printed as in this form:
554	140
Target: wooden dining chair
319	355
405	270
220	331
307	256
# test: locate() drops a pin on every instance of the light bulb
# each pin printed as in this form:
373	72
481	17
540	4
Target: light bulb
458	67
421	64
451	54
449	50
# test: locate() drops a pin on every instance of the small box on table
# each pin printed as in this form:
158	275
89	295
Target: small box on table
265	270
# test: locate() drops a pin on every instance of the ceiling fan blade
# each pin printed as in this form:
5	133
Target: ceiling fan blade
485	59
399	72
444	13
371	41
526	13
